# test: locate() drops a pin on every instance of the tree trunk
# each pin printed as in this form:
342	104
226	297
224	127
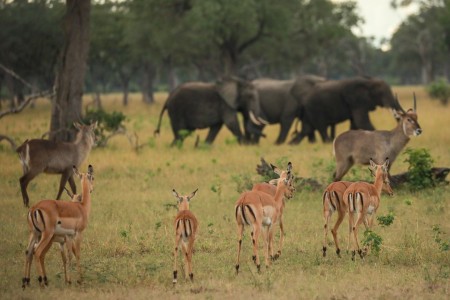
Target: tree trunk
147	83
171	76
9	81
125	88
69	81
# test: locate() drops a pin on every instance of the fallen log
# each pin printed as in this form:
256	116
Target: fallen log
264	169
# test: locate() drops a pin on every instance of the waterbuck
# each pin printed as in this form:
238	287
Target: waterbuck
358	146
39	155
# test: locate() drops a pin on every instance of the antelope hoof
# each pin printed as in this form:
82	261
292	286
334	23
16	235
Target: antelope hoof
324	250
259	268
191	276
338	252
237	269
25	282
361	254
254	258
353	255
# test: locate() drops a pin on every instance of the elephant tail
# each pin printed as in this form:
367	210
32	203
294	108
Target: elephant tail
156	132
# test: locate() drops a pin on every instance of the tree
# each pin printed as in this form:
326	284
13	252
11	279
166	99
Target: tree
29	43
69	82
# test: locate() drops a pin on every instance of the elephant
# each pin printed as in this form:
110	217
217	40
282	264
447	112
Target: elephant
281	102
199	105
335	101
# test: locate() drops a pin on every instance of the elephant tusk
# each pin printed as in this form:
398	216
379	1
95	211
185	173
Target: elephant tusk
254	119
264	122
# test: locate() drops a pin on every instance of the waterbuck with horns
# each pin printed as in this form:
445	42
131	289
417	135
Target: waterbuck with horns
357	146
39	155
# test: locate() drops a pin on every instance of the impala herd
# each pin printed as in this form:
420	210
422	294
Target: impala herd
261	209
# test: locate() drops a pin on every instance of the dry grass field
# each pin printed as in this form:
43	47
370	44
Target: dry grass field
127	247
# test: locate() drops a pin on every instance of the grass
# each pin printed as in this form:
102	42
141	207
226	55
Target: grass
127	247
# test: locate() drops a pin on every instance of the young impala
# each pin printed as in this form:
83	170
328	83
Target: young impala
58	221
332	199
363	200
186	225
271	189
261	211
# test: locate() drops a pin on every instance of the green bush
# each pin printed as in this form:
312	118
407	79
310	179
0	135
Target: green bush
386	220
107	123
439	89
373	241
419	170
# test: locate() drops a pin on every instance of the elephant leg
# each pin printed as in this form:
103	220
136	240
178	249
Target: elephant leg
324	134
253	133
213	131
232	123
332	131
307	130
286	124
361	120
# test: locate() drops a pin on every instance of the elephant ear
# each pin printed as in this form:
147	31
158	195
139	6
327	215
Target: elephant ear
358	93
303	85
228	90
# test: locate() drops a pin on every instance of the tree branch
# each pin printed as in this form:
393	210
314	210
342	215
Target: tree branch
10	140
14	74
24	104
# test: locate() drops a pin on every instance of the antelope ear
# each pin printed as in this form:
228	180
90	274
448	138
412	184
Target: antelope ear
397	114
273	182
192	194
175	193
75	171
289	167
372	163
386	163
276	169
90	169
77	125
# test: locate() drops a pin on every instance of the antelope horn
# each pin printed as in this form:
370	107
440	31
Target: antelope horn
398	104
414	95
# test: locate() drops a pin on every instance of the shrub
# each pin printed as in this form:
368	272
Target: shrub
107	123
386	220
419	170
439	89
373	241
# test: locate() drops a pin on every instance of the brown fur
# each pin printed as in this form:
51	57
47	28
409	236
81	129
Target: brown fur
58	221
363	199
186	226
44	156
261	211
357	146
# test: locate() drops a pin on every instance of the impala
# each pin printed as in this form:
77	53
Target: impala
363	200
186	226
356	146
50	157
271	188
332	200
261	211
58	221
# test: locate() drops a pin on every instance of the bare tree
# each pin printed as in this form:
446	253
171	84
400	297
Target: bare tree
66	109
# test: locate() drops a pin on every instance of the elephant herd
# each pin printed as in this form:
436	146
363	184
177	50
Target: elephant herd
319	104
